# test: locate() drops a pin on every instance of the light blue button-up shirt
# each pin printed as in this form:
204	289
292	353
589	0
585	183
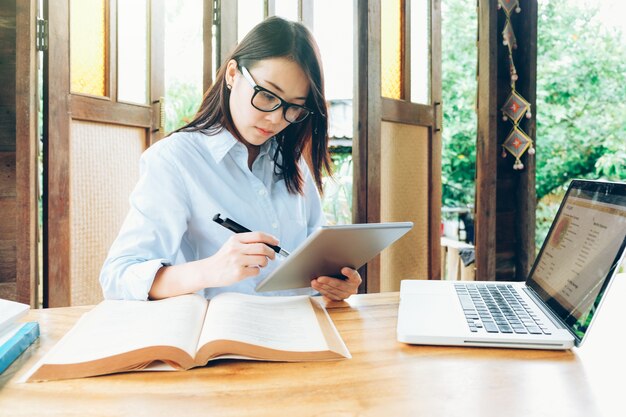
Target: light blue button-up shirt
187	178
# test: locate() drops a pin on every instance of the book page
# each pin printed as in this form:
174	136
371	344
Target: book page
116	326
282	323
10	311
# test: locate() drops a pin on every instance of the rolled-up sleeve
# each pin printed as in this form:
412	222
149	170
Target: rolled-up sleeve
152	231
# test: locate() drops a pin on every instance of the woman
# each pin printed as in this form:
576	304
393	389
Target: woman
243	156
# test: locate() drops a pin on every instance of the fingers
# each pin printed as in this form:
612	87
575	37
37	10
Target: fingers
332	293
337	289
256	237
243	255
238	246
352	275
254	243
242	268
251	271
255	260
257	249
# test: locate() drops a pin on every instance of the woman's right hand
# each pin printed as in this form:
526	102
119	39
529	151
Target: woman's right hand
242	256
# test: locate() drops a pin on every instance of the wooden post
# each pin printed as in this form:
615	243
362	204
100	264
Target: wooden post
505	198
26	172
486	142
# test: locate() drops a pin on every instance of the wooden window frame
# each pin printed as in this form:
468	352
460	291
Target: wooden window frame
368	103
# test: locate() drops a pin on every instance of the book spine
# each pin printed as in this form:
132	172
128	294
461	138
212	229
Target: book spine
17	344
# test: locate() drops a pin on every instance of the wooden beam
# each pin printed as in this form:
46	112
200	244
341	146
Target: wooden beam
487	149
505	198
526	196
401	111
157	70
101	109
366	139
434	192
56	228
26	101
361	121
515	191
207	38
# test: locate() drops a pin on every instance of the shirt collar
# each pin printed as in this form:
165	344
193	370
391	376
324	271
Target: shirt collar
222	142
269	147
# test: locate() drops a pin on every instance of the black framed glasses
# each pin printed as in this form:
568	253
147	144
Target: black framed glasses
266	101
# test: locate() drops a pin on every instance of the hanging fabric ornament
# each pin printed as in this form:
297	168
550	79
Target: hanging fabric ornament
515	106
512	70
509	5
517	143
508	36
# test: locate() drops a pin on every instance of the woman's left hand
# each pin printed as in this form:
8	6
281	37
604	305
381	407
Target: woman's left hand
334	289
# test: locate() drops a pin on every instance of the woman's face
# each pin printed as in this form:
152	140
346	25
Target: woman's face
280	76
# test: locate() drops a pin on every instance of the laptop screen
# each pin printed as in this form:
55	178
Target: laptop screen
581	252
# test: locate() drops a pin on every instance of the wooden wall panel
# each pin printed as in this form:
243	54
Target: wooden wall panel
7	76
404	193
105	167
7	225
8	243
7	175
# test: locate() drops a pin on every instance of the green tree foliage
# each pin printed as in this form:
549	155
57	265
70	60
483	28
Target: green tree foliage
337	198
182	102
459	102
581	102
581	98
581	91
581	112
183	63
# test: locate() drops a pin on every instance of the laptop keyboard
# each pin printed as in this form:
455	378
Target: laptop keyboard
497	309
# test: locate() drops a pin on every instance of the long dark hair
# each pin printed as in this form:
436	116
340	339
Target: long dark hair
277	38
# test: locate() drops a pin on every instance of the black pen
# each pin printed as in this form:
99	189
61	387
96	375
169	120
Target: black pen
237	228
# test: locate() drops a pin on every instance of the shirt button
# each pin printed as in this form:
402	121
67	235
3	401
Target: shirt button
262	192
275	225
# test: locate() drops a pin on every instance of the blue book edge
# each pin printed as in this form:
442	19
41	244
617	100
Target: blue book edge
17	344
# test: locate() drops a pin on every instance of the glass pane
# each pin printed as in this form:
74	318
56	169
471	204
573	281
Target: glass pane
336	48
420	51
88	47
249	13
132	51
183	61
391	49
287	9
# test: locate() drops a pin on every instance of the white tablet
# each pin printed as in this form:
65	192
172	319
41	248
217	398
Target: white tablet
331	248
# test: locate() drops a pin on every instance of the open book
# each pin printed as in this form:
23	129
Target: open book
188	331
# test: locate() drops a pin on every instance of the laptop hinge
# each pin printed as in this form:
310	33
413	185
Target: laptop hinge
540	303
556	320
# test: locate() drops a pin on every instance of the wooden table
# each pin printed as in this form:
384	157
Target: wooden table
384	377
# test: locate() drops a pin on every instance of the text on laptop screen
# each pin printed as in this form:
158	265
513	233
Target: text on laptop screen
581	252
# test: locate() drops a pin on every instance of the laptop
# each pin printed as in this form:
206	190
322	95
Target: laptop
556	305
